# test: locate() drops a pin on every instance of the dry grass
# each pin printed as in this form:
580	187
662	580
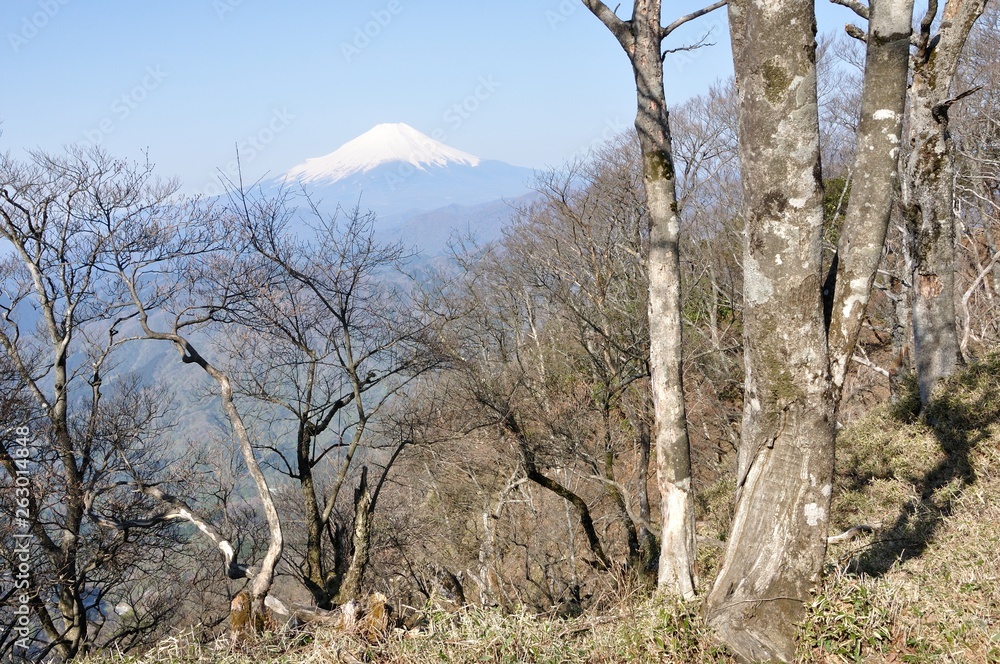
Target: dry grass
650	631
926	586
922	588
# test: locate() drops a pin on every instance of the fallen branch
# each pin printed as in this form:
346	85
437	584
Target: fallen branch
851	533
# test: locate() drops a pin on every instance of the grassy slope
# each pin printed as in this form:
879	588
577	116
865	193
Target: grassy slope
923	588
926	587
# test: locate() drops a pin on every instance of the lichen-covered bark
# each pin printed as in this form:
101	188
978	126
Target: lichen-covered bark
777	543
641	38
874	183
928	194
361	539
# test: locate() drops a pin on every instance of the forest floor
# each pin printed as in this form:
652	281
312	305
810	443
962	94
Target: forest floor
924	586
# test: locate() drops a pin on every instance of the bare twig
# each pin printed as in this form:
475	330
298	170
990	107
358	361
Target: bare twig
693	15
851	533
865	362
690	47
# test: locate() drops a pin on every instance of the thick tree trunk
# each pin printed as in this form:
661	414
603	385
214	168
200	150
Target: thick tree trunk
777	543
931	224
928	195
641	38
313	572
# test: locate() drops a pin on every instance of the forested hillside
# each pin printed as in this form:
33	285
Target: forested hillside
724	389
919	586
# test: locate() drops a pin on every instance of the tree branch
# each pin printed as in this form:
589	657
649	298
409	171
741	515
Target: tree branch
857	7
692	16
865	362
941	110
510	426
177	510
856	32
690	47
922	38
966	327
622	30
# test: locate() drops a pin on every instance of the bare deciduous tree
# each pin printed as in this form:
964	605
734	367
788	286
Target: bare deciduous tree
64	220
642	37
329	340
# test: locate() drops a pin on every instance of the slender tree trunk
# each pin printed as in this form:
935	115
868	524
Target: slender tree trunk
647	539
351	586
875	184
641	38
611	487
777	543
260	585
364	510
71	583
263	578
928	195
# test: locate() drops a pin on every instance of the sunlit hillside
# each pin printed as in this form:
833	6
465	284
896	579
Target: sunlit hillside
924	586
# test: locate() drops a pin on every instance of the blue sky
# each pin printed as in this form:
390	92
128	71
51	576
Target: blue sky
527	82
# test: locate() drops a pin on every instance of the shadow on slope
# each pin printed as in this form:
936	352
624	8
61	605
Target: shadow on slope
918	468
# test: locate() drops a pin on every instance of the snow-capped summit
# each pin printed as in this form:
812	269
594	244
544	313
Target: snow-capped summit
382	144
394	170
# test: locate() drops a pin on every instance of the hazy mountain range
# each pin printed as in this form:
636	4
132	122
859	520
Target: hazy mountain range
423	193
422	190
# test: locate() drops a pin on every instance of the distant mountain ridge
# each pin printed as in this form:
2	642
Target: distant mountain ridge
401	173
382	144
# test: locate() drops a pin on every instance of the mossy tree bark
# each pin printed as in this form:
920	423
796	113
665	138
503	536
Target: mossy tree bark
875	184
777	542
928	192
350	588
797	351
641	37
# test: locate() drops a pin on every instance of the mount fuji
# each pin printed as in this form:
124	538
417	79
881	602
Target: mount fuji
421	189
382	144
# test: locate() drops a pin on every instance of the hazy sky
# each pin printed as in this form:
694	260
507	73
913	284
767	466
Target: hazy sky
530	82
